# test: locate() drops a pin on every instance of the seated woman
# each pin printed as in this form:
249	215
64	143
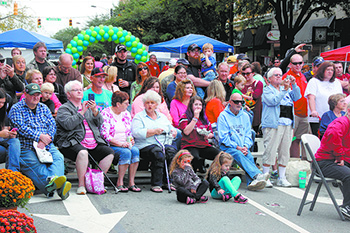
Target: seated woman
147	125
215	100
49	76
333	156
337	105
196	131
10	148
78	132
151	83
184	91
116	130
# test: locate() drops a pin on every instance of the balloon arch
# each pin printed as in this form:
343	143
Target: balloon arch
109	33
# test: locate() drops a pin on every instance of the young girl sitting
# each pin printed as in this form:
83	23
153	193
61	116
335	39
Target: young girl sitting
220	185
189	187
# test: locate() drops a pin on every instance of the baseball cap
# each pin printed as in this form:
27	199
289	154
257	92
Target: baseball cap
242	56
317	61
32	88
120	47
183	61
231	59
193	47
98	71
172	62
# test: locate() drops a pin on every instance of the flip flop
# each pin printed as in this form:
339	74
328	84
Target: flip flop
134	188
122	189
157	189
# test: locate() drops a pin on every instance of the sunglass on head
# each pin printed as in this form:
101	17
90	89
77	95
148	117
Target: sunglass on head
248	73
143	68
238	101
297	63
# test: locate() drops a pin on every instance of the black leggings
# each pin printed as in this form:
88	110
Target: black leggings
199	154
182	193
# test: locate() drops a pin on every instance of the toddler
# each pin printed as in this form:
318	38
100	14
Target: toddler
220	185
208	62
240	82
189	187
46	93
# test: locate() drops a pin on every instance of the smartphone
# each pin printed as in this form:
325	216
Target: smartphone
14	129
307	47
91	97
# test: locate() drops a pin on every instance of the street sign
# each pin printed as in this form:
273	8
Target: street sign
53	19
3	3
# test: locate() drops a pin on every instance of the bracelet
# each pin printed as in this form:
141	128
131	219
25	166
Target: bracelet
195	119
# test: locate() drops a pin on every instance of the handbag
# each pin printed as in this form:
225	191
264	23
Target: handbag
43	155
94	181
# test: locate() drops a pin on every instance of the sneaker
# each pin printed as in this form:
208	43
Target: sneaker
55	183
190	201
262	176
226	197
268	184
81	190
283	183
63	192
274	175
256	185
240	199
203	199
345	211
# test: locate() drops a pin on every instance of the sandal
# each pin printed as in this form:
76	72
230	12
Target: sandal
156	189
122	189
172	187
134	188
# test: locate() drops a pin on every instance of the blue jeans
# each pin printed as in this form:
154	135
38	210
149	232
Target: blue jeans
177	139
210	76
127	156
246	162
11	154
200	92
39	172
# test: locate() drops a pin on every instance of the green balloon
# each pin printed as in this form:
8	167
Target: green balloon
143	58
69	46
127	38
80	42
110	39
140	51
120	29
134	44
119	33
86	37
93	33
75	38
92	28
129	33
137	40
133	54
101	32
103	39
101	26
137	61
83	32
110	32
110	27
74	50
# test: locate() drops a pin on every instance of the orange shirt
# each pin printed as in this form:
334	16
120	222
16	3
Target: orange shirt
300	106
213	109
233	69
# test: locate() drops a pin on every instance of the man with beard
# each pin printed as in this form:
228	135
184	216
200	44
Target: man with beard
126	69
39	62
194	69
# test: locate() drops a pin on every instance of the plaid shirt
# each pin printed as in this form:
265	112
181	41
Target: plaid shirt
31	126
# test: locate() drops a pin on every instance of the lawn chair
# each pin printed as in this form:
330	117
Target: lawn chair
311	144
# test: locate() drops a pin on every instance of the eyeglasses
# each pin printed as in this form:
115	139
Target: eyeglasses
248	73
297	63
238	101
143	68
277	61
277	75
76	90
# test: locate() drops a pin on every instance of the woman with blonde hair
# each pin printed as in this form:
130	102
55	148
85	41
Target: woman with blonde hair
178	106
112	72
215	100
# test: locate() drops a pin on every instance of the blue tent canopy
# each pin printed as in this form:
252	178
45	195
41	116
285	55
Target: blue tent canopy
26	39
180	45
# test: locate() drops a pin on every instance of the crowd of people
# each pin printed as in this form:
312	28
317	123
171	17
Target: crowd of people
126	114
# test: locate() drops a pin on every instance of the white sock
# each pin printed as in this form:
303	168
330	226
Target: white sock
266	169
282	172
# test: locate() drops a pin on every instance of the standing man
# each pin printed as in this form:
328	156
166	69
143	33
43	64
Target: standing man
343	78
64	70
316	62
224	71
194	69
39	62
126	69
235	137
153	66
35	124
277	63
301	124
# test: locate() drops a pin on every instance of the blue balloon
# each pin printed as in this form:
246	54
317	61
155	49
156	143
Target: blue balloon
121	39
114	37
92	39
139	46
138	57
80	48
115	29
97	29
98	37
106	28
75	55
88	32
125	32
132	38
86	43
106	36
80	36
73	63
73	43
133	50
68	51
128	44
144	53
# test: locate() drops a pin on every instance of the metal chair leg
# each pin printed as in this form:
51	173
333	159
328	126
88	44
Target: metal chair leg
316	196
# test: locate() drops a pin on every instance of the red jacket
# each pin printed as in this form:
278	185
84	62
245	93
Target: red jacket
335	144
154	69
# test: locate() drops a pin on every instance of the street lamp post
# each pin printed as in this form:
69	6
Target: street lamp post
253	31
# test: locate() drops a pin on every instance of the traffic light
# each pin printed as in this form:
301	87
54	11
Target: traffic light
39	23
15	8
70	23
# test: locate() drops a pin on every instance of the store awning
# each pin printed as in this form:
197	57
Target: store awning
260	38
305	33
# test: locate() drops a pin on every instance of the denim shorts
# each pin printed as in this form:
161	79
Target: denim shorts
127	156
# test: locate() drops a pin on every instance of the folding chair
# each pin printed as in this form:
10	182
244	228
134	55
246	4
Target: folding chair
311	144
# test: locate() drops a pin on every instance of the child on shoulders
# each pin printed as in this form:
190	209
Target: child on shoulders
208	62
189	187
220	185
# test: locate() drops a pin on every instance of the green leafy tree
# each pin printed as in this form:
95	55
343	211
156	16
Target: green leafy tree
66	35
289	20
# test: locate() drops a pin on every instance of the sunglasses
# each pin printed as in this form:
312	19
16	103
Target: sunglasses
238	101
143	68
248	73
2	60
297	63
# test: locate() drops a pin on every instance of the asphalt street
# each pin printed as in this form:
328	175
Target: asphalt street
269	210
